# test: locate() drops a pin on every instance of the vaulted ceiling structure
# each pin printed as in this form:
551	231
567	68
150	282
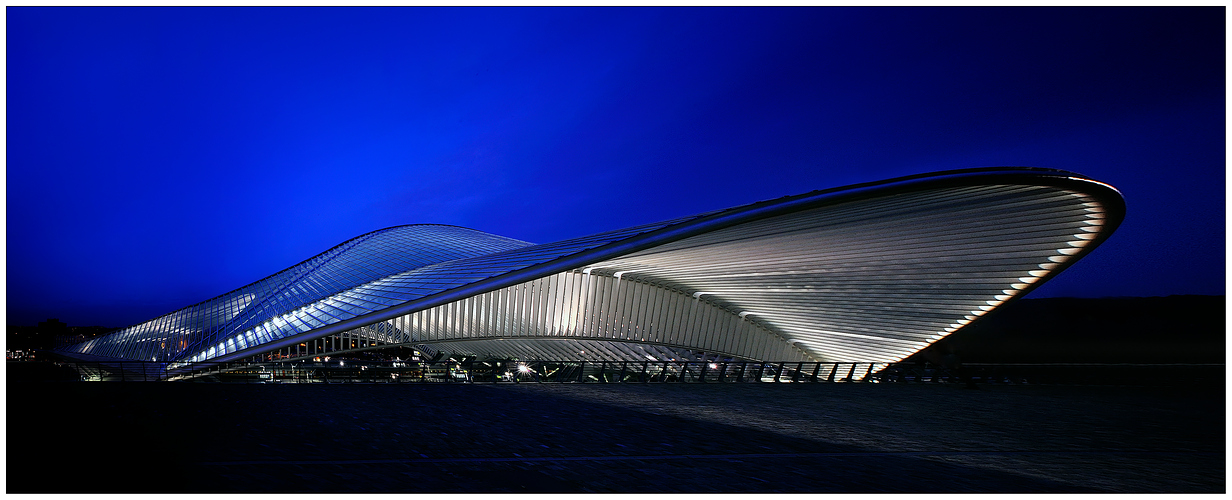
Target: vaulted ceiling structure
866	273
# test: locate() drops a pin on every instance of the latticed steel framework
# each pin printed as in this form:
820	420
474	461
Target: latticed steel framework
865	273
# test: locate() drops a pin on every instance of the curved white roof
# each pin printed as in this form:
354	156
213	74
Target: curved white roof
866	273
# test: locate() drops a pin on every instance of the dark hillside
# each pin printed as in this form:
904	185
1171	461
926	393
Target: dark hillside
1173	329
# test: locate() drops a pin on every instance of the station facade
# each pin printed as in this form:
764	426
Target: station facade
869	273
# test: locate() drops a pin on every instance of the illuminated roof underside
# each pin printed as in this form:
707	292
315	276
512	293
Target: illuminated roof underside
866	273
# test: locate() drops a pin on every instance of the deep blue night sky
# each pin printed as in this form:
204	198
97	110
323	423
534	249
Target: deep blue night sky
158	157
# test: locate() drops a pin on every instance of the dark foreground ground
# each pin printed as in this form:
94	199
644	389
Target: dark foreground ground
168	437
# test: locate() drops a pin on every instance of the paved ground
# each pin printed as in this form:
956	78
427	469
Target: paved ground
167	437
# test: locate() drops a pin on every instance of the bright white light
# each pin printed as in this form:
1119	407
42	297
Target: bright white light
713	366
523	368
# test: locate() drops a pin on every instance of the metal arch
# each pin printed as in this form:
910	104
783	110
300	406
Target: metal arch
573	306
467	277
